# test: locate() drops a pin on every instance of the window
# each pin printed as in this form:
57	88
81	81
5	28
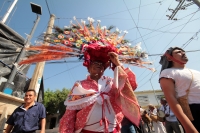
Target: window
143	100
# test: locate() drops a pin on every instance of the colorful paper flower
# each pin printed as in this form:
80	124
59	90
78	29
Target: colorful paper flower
79	42
66	32
56	41
60	36
66	42
87	39
78	45
71	39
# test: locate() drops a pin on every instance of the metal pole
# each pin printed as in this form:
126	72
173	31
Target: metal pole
38	72
9	11
21	55
197	2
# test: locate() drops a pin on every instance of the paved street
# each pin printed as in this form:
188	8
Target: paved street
55	130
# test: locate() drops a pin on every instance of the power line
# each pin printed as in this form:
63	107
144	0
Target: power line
158	39
169	30
192	38
2	5
166	25
12	15
185	51
79	61
115	12
48	7
181	29
62	72
136	26
166	31
167	45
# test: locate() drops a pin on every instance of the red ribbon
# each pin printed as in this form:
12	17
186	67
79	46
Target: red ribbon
104	119
173	59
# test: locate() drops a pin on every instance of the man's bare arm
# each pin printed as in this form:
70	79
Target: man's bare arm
9	128
168	88
43	124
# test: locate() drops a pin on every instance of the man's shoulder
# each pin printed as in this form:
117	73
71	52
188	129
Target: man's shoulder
17	109
39	104
168	71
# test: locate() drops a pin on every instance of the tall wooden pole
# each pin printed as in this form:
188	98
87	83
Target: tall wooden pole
38	72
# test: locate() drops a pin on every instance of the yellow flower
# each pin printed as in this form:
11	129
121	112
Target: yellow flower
79	42
87	39
56	41
78	45
71	39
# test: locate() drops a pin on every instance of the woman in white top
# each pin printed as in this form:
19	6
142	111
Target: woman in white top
175	79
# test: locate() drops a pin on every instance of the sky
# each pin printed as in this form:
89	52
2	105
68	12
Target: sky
145	21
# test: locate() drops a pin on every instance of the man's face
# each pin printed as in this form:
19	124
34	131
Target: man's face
151	108
96	69
180	55
29	97
162	102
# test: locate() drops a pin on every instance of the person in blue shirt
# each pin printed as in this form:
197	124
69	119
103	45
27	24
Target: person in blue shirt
171	122
28	117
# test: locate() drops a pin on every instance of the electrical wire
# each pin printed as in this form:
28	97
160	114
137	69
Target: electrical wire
180	30
48	7
62	72
11	16
136	26
168	30
170	43
2	5
145	32
113	13
164	26
190	40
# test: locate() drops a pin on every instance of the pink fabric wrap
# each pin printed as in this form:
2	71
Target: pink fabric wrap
122	99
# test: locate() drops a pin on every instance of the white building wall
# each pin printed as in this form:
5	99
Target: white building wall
149	97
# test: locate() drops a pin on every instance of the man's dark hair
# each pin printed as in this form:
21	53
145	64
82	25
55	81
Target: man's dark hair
31	90
163	99
164	61
170	62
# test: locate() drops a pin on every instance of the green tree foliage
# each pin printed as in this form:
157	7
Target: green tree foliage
54	101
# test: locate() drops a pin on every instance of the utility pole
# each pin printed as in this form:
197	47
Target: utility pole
9	87
38	72
182	6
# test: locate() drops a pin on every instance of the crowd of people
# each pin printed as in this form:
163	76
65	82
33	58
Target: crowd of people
100	104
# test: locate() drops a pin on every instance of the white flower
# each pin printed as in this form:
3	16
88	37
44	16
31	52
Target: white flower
92	20
103	27
117	29
125	32
74	18
138	47
146	55
129	44
99	21
88	18
82	21
66	27
70	21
